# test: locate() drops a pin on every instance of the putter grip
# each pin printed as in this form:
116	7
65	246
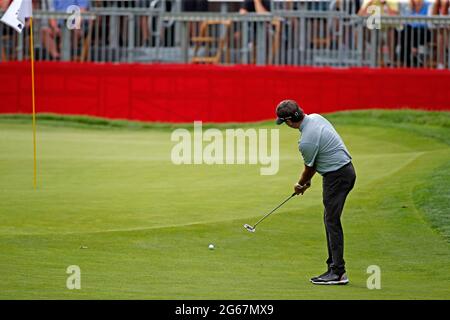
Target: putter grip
294	194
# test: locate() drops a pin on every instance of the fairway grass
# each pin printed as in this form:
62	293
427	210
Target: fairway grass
110	200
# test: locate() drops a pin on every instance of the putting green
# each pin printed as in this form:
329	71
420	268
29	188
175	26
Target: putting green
147	223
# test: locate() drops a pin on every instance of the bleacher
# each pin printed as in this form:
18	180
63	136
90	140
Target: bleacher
339	33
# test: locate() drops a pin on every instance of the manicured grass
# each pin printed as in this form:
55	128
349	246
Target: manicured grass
147	223
433	197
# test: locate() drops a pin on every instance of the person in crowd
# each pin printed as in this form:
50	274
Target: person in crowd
387	32
415	34
252	6
441	8
258	6
347	6
143	22
195	5
387	7
5	33
349	26
52	32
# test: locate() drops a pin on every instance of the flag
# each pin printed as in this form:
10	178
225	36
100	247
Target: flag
14	17
16	13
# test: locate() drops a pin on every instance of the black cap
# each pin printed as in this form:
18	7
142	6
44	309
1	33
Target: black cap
280	121
288	109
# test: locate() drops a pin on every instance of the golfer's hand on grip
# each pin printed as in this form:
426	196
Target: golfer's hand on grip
299	189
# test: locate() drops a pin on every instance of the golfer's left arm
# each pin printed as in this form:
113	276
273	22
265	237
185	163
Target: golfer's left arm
305	180
309	152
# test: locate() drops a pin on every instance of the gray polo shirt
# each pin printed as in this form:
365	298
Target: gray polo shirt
321	146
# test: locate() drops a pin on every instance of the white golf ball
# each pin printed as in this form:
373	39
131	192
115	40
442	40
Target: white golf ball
211	247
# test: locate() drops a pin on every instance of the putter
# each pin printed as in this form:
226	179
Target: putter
253	228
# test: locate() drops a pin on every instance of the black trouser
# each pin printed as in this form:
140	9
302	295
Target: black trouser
412	38
336	187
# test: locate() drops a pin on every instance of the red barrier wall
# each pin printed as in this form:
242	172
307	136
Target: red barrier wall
184	93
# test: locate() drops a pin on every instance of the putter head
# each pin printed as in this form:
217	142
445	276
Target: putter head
249	228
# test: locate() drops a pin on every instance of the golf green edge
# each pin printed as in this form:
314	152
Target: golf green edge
139	227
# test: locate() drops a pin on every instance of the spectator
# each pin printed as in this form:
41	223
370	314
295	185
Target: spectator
258	6
419	8
347	6
195	5
261	7
62	5
416	34
441	8
143	23
52	32
349	26
5	42
387	32
387	7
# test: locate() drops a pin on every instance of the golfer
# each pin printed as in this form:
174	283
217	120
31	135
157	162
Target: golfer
324	152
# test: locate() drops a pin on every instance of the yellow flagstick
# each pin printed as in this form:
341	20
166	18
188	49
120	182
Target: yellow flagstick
33	101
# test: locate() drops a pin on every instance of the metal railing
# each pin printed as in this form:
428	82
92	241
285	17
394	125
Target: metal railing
283	37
